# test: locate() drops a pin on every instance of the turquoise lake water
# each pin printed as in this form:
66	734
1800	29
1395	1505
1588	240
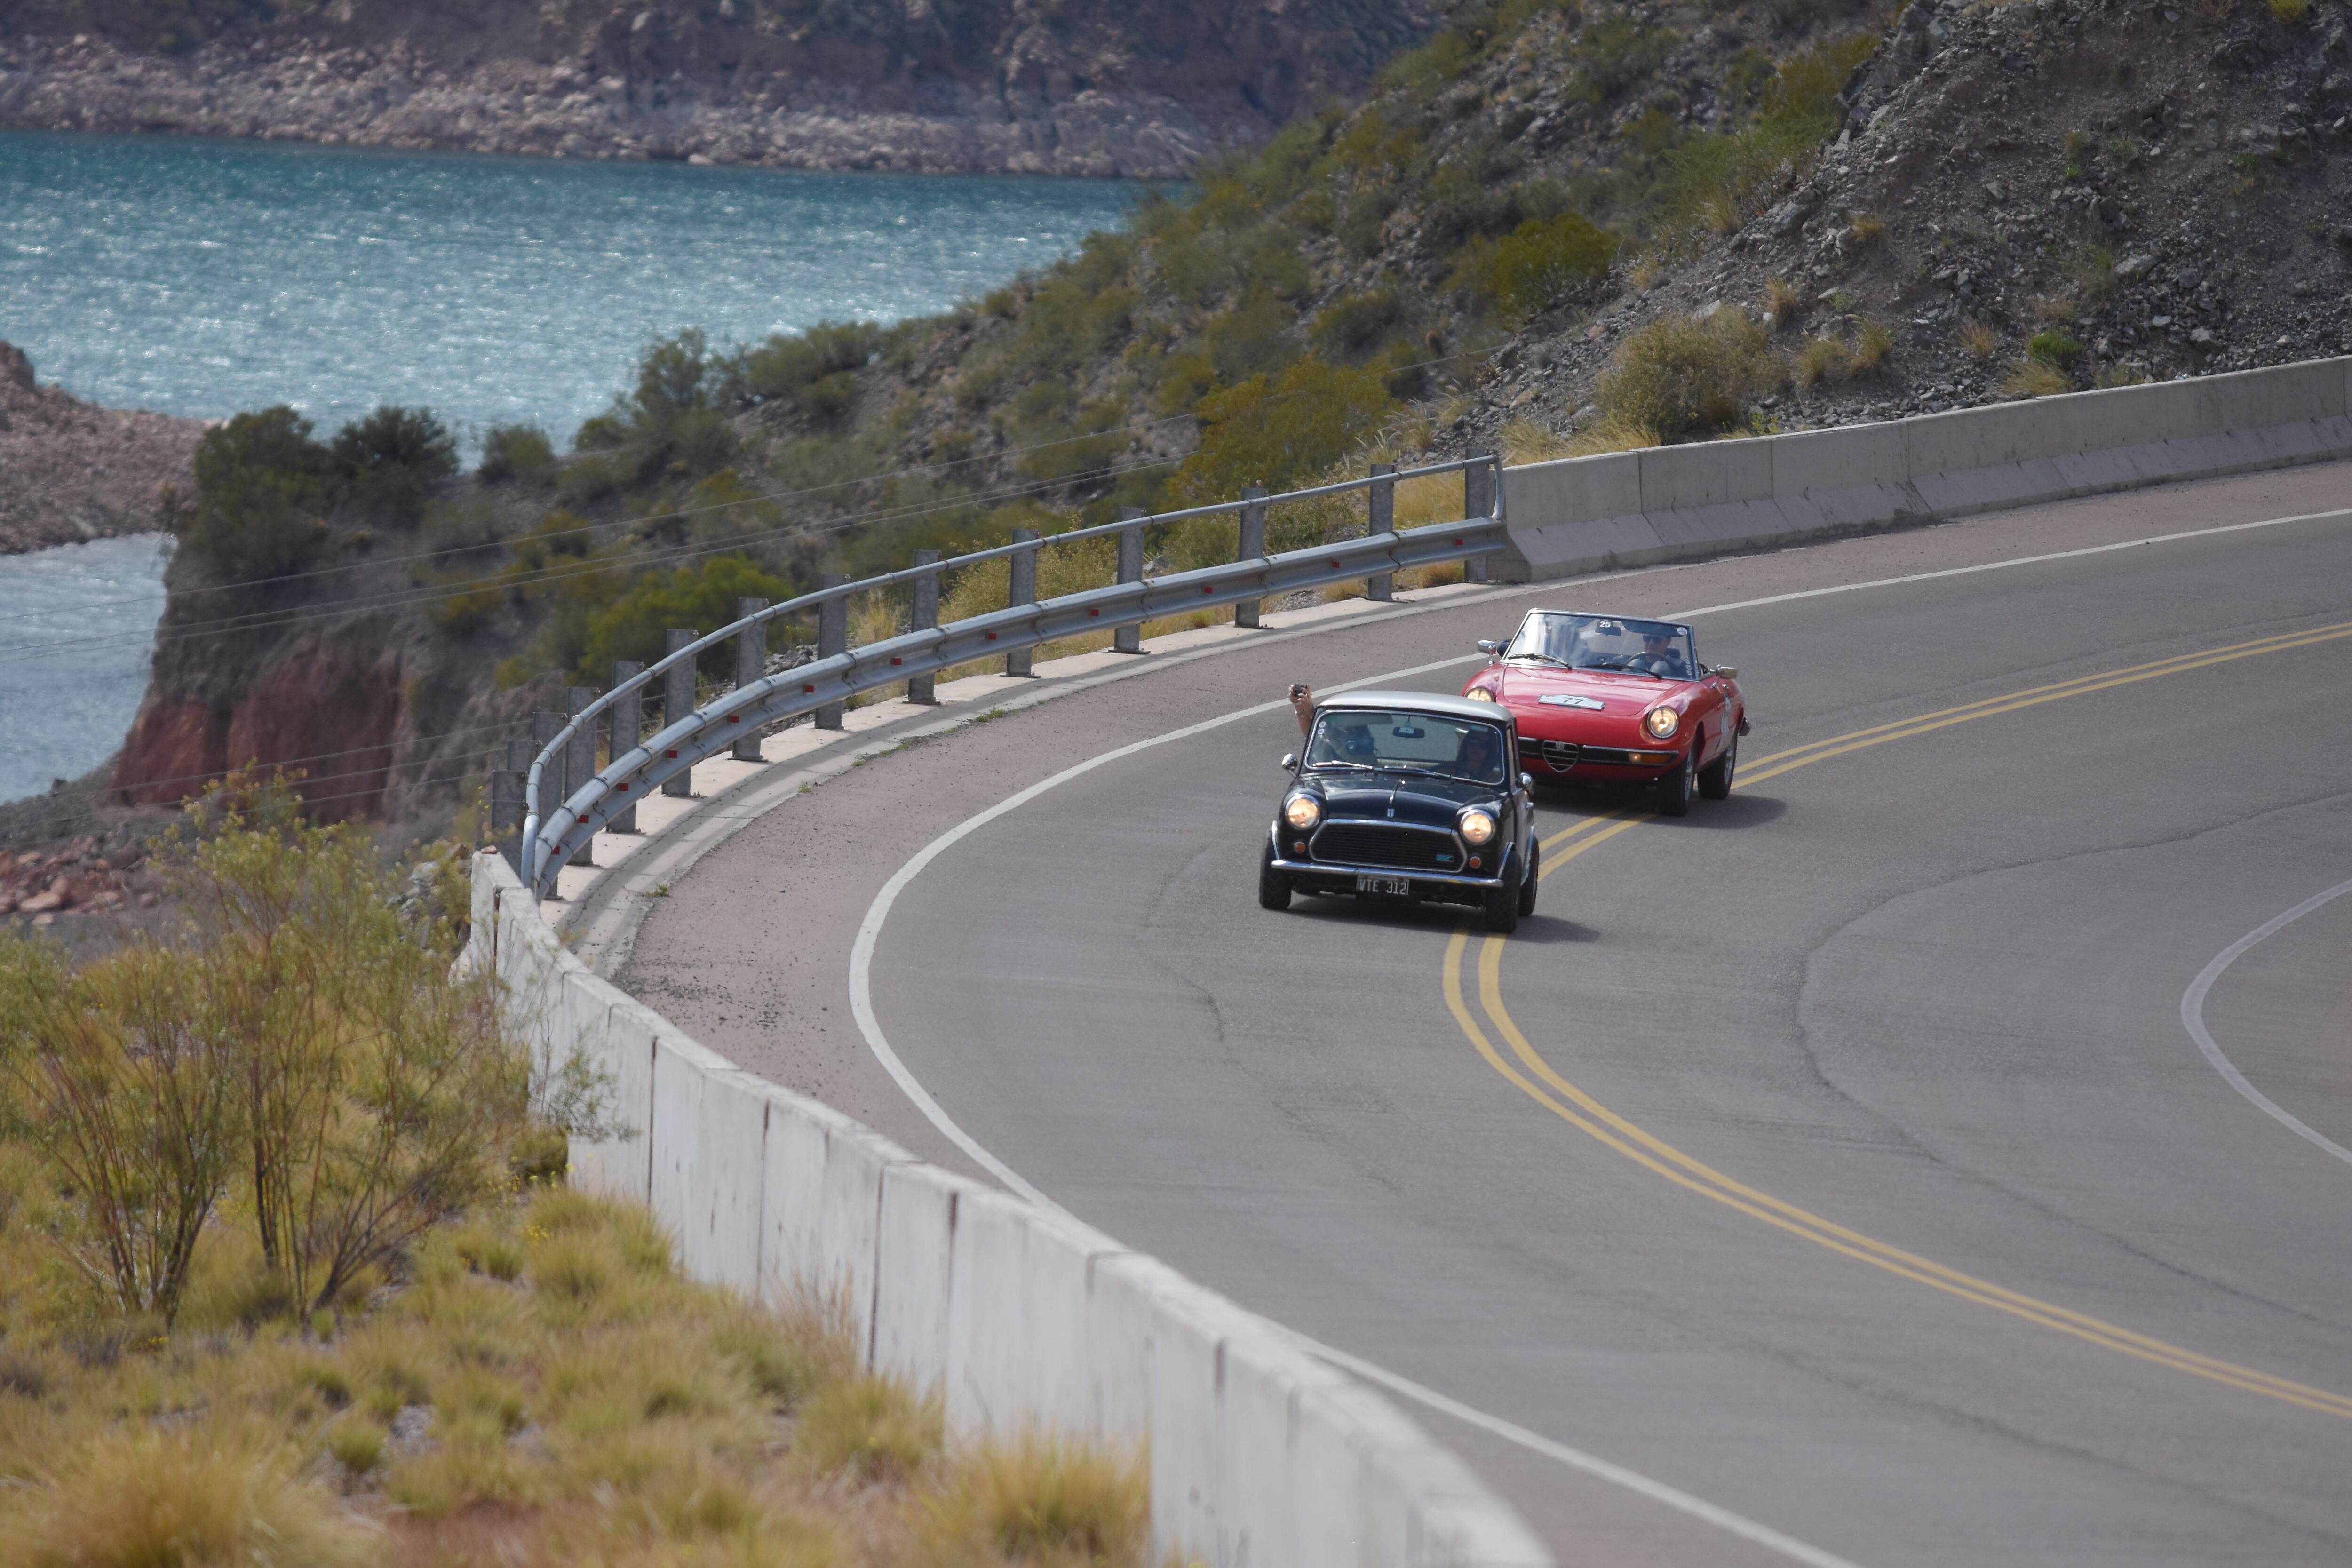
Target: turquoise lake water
206	278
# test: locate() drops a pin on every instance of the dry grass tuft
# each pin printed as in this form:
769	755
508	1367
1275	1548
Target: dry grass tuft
1039	1501
2291	12
1823	360
1524	441
1783	300
1873	345
200	1494
1867	230
1614	434
1979	339
869	1425
2032	377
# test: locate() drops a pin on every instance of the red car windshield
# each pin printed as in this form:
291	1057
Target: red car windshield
1616	643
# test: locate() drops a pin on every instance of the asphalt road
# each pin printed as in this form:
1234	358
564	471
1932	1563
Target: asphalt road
1837	1153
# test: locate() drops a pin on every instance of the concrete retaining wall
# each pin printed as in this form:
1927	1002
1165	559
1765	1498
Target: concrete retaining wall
1680	503
1261	1455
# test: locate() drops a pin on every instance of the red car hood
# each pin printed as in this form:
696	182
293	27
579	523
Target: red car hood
1524	687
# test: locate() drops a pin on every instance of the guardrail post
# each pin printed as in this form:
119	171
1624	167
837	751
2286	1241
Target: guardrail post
831	637
750	664
1023	662
677	701
580	764
506	811
628	728
1477	502
1128	638
924	689
1380	503
1245	613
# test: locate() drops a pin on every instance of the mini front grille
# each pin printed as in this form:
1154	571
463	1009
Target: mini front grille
1562	754
1388	843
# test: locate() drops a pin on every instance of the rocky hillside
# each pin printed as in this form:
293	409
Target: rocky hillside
76	471
1554	227
1061	87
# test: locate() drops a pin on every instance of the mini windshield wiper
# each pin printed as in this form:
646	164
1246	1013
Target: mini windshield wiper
1360	767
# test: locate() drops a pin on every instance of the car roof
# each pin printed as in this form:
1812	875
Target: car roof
1418	702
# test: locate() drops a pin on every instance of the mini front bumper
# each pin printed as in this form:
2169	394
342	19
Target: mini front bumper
1350	873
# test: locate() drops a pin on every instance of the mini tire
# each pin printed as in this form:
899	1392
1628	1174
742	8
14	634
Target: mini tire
1535	874
1674	789
1714	779
1501	908
1273	886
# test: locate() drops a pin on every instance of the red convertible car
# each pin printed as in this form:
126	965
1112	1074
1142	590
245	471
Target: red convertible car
1612	700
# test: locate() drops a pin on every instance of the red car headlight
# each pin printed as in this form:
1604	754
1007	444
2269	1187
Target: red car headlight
1662	723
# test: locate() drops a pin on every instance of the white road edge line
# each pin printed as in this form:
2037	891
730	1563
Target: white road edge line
2192	1017
869	934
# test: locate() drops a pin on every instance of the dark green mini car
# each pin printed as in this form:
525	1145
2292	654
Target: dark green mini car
1409	797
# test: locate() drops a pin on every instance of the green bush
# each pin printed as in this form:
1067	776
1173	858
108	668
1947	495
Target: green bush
635	625
1353	325
392	459
262	487
1281	431
521	453
1521	274
1680	375
814	368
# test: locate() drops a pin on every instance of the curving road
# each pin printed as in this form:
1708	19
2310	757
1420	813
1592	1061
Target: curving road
1837	1155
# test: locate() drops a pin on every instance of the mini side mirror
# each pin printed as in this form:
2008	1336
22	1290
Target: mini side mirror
1728	671
1290	761
1491	648
1527	780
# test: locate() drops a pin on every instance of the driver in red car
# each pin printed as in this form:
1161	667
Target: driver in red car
1660	657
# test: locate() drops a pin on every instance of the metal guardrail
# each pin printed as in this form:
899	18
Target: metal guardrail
552	839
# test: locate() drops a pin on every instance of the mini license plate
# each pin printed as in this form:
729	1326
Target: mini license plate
1391	887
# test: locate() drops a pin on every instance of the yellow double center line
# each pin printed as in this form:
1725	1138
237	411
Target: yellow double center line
1527	1070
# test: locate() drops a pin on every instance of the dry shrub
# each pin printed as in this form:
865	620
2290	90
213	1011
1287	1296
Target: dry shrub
1979	339
2291	12
1866	230
1680	375
1610	434
1061	569
2052	308
1040	1501
869	1425
1783	300
202	1494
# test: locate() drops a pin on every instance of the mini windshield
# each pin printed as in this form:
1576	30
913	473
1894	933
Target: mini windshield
1407	742
1607	642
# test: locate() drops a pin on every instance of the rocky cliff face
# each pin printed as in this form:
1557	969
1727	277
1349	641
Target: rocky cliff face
997	86
70	470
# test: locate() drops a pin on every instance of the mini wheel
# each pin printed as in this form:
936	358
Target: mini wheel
1501	908
1273	886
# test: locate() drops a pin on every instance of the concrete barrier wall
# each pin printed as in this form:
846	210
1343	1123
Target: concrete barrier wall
1679	504
1020	1318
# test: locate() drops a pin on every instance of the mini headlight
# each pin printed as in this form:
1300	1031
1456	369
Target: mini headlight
1662	722
1480	694
1477	826
1302	811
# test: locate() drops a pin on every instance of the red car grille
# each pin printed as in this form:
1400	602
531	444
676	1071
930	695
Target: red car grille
1387	844
1562	754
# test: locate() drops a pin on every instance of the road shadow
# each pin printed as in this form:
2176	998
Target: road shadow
1541	930
1569	806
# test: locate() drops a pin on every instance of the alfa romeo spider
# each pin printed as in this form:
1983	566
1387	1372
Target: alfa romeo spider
1614	699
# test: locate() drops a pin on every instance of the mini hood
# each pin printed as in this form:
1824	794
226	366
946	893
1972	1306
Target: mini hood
1430	802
